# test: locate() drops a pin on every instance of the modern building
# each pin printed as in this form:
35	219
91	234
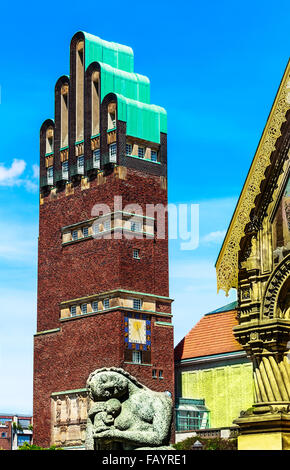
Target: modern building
213	375
15	431
103	293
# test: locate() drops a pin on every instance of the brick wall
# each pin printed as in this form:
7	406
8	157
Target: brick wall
64	359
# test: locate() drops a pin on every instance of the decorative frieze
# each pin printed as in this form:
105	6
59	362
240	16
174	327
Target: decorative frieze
69	412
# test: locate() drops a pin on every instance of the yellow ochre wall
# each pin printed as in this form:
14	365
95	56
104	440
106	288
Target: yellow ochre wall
227	390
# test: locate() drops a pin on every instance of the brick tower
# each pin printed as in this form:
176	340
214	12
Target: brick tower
103	294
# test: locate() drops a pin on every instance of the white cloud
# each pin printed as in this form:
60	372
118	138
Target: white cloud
12	176
9	176
214	237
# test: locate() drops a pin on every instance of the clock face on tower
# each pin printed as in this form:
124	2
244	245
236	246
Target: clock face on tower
137	331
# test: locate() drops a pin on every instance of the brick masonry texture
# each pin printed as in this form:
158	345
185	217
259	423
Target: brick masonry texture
63	360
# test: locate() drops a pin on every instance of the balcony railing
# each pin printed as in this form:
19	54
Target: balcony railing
76	171
109	159
61	176
46	182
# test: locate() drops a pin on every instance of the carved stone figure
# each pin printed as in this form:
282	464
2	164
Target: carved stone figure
125	414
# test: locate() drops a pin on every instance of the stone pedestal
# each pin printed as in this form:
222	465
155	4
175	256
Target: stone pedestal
269	431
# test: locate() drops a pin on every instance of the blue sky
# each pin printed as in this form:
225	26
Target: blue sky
215	67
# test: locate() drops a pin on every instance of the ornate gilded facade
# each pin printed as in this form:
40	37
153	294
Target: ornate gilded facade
255	259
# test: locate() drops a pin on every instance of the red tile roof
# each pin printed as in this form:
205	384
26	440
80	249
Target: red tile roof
213	334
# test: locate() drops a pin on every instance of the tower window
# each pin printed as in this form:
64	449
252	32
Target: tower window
75	235
95	306
128	149
136	357
81	164
84	308
95	103
113	153
112	116
107	225
86	231
96	158
137	304
50	175
153	155
49	140
106	303
64	168
73	310
135	226
141	152
64	116
80	91
136	253
96	228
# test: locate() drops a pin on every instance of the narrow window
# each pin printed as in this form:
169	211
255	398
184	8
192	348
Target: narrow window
111	116
49	141
136	357
136	254
80	91
85	231
106	303
161	374
64	168
96	158
128	149
154	373
153	155
137	304
50	175
135	227
84	308
141	152
95	103
96	228
113	153
73	310
95	306
64	116
81	164
75	235
107	225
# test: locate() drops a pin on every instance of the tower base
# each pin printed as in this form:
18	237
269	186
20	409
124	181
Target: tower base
269	431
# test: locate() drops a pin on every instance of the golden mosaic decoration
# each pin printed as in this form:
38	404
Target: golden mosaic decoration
227	263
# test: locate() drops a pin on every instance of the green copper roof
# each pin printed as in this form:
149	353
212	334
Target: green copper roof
111	53
226	308
132	85
144	120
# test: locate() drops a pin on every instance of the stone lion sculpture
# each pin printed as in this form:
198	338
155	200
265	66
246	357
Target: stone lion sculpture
125	414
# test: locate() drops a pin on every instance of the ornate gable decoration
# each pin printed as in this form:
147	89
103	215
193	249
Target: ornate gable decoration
227	262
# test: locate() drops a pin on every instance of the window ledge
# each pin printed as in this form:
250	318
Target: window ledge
144	159
138	364
71	242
